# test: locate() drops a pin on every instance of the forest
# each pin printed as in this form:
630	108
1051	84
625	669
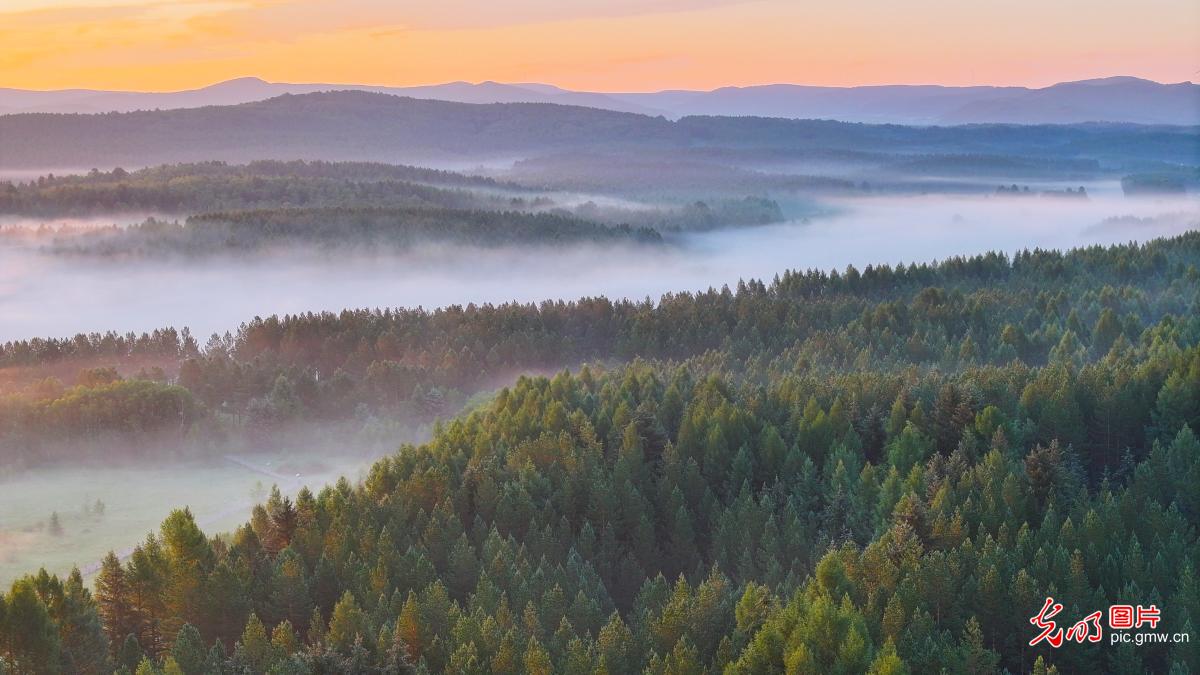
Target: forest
883	470
252	231
216	186
212	208
601	337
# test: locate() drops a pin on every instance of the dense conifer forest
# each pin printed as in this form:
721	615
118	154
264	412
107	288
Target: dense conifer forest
662	337
884	470
878	469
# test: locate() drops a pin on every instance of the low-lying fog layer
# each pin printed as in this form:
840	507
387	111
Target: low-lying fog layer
103	508
44	295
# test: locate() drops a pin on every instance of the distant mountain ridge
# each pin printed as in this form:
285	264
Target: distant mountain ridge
1113	99
365	126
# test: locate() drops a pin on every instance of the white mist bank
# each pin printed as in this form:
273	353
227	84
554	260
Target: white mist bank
43	295
221	493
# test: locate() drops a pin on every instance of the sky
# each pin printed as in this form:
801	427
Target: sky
600	45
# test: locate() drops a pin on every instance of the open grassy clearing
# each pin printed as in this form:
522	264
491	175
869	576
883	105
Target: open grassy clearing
135	500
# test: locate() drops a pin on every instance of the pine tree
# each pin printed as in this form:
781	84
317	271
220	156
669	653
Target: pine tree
504	662
282	521
315	637
170	666
1106	332
189	558
347	624
84	643
536	660
615	644
289	592
189	651
284	640
409	630
29	640
753	609
254	649
130	654
976	659
113	601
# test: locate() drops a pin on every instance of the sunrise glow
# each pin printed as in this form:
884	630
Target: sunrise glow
594	44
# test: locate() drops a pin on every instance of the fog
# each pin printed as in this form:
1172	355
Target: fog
48	295
220	492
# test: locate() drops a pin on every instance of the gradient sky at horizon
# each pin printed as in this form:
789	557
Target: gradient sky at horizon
604	45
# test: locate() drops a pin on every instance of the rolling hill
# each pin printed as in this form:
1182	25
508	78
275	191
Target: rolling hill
377	127
1114	99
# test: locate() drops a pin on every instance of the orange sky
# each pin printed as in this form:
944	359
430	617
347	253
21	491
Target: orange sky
607	45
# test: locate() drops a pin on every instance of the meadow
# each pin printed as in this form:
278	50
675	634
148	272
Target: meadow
135	499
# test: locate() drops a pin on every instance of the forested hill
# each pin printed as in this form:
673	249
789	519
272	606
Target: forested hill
364	229
57	396
217	186
884	470
332	125
360	125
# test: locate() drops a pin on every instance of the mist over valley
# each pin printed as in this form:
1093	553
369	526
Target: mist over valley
48	291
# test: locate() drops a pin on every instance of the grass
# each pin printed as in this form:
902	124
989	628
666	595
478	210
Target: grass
219	493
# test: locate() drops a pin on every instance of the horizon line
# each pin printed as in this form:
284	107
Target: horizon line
262	80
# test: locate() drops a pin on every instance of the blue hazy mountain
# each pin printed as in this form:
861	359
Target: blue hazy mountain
1113	99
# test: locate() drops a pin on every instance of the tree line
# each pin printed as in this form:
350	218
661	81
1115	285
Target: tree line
368	229
985	311
668	519
884	470
217	186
